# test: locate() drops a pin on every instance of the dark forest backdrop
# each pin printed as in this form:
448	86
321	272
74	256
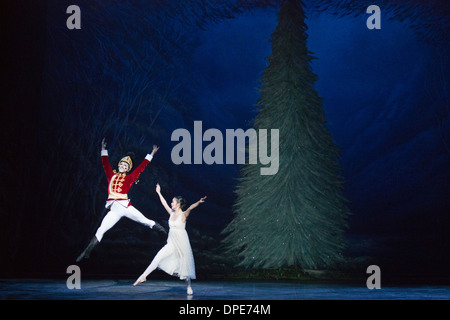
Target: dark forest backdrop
137	70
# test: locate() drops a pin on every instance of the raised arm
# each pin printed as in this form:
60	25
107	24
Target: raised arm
193	206
105	161
155	149
137	172
161	198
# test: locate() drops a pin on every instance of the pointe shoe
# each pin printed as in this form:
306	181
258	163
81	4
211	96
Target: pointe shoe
190	291
139	280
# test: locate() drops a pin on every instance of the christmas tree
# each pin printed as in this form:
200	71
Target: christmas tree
296	217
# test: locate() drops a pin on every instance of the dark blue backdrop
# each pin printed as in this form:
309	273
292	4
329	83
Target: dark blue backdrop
385	94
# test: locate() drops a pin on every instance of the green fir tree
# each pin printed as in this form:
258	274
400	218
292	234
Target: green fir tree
298	216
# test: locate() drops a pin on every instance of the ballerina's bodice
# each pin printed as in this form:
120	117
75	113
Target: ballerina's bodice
177	223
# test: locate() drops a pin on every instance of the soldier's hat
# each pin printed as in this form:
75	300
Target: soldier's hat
127	159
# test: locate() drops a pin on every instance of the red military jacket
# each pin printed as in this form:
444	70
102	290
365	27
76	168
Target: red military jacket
119	184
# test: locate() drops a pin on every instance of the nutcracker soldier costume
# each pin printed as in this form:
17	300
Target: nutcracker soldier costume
118	203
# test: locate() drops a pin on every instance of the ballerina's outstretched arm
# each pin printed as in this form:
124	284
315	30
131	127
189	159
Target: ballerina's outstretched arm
161	198
193	206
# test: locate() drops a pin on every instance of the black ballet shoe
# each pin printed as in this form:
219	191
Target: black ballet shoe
87	252
159	228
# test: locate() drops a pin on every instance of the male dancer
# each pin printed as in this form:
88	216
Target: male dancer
118	203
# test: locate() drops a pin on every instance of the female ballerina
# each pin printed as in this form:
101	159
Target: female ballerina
176	257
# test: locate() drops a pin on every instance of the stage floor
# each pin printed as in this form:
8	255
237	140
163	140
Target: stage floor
41	289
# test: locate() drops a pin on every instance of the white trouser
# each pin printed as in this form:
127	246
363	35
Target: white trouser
120	209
